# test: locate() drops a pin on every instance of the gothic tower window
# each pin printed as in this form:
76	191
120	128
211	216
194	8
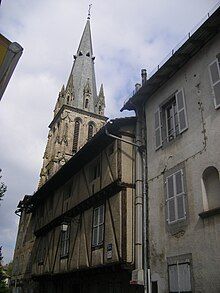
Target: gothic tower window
86	103
68	99
90	131
76	136
100	109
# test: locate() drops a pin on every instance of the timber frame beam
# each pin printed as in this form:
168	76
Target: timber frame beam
105	193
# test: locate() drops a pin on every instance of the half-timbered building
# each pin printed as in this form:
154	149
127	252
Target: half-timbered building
76	232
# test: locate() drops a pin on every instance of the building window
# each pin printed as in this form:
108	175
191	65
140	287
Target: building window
211	188
90	131
65	237
214	69
170	119
100	109
172	125
76	136
175	197
98	226
180	276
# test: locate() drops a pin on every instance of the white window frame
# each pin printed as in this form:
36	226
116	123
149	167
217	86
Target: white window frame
217	61
175	134
98	225
175	197
161	114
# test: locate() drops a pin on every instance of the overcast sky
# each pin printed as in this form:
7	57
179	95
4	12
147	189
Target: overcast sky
127	36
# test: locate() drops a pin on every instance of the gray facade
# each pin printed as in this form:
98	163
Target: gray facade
195	151
182	122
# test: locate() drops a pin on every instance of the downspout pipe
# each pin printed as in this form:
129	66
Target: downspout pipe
138	273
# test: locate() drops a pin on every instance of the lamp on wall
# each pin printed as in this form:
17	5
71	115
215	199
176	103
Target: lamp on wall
64	226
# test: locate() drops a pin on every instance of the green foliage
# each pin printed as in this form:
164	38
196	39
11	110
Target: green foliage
3	188
9	268
3	286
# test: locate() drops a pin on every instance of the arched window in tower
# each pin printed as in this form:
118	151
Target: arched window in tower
211	188
68	99
90	131
100	109
86	103
76	136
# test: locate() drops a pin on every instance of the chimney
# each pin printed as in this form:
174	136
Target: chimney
144	76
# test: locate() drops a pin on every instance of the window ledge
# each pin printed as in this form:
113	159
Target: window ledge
210	213
96	247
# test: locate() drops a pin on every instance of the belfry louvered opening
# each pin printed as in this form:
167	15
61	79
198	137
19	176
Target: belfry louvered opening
76	136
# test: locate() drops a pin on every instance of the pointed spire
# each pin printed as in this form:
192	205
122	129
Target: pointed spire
83	70
89	10
101	91
100	106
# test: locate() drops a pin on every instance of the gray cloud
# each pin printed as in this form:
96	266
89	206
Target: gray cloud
127	36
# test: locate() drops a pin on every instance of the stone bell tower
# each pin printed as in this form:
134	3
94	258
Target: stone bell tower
78	113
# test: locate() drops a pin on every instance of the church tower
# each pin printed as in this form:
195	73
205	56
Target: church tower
78	113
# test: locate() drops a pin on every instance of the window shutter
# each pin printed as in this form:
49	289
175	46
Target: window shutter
184	277
181	110
171	215
158	132
180	195
215	80
173	278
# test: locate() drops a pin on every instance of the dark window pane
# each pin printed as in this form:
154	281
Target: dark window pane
101	230
179	187
180	206
95	234
170	187
95	218
171	210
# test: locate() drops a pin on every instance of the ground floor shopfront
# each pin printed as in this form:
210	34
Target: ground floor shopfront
108	280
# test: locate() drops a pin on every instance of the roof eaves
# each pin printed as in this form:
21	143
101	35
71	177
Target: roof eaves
192	45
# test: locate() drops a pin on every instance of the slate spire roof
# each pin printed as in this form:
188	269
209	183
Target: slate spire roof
83	73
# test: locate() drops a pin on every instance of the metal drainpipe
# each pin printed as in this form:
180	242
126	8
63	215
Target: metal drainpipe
147	281
138	197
